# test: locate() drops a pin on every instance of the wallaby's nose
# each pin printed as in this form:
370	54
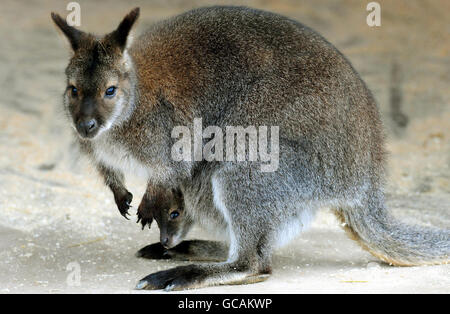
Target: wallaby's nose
86	127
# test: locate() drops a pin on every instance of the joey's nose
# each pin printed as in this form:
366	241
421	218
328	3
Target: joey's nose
164	241
87	128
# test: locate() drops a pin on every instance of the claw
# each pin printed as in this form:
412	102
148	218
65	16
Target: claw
182	277
141	285
143	220
169	287
124	204
139	220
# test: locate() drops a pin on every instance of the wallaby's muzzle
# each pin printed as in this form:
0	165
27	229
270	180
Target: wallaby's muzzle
85	118
87	128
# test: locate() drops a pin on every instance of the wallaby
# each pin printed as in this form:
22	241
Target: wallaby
174	223
236	66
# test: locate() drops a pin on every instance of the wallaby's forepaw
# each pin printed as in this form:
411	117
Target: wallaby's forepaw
178	278
154	251
124	203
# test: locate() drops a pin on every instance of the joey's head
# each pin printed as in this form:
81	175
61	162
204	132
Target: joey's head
100	77
172	220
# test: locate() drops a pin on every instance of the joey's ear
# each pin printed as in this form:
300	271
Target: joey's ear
72	34
120	35
178	195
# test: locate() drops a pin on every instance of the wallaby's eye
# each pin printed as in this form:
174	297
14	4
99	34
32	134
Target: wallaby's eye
174	214
74	91
111	91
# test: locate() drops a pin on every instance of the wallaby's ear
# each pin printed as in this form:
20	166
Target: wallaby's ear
72	34
120	35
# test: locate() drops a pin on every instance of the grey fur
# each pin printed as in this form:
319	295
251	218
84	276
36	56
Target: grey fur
239	66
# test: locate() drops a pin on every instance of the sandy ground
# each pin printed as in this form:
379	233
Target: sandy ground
56	213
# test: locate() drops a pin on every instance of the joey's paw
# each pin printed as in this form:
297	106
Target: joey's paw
144	219
145	213
154	251
124	203
178	278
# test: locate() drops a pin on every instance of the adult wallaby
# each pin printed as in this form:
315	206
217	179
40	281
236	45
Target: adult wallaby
235	66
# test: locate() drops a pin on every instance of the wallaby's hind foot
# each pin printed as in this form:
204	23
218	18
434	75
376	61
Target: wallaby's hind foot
250	279
200	276
192	250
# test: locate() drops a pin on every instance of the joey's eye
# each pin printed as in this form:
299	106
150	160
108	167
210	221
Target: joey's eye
111	91
74	91
174	214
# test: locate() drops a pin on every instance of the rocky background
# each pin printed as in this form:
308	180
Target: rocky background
56	213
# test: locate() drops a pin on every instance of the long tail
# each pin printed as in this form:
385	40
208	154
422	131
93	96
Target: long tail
392	241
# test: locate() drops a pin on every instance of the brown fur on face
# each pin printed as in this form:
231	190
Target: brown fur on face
98	64
172	228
